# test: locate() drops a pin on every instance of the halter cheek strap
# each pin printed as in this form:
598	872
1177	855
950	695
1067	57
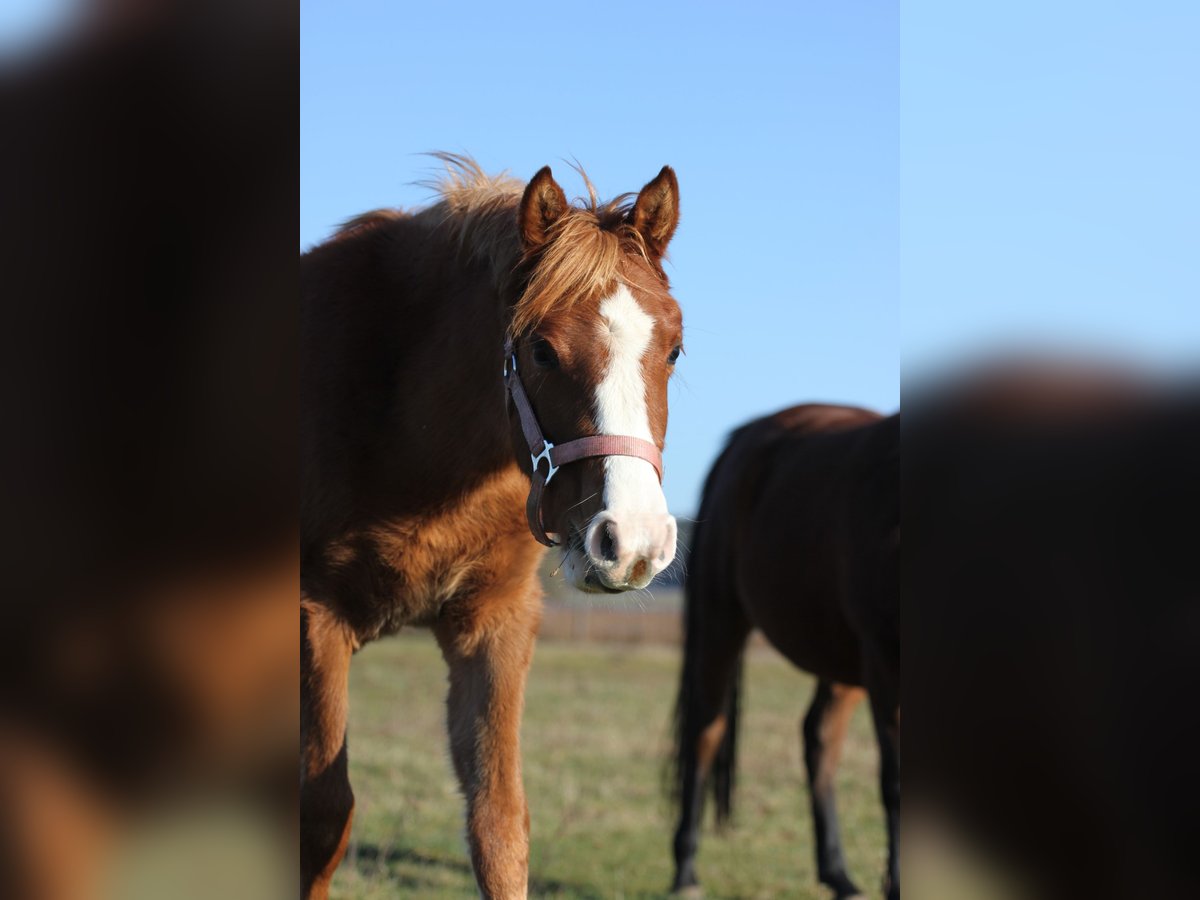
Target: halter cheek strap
555	456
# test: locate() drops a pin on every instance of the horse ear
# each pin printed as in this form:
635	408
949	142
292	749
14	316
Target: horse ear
543	204
656	212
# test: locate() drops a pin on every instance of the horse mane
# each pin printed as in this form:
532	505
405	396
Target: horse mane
368	221
580	261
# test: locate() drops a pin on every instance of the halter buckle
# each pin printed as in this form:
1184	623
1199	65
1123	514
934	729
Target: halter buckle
544	454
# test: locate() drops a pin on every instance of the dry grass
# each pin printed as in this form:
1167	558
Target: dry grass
595	739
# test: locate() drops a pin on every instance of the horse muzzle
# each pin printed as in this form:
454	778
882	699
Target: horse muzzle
625	552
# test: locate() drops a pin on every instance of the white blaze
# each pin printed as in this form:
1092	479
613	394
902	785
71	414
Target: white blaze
630	484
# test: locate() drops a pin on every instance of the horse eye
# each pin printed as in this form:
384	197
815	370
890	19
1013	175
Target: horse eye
674	355
543	354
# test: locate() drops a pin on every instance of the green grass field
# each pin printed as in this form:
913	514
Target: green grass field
595	738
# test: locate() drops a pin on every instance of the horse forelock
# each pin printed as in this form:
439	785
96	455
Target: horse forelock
583	259
586	256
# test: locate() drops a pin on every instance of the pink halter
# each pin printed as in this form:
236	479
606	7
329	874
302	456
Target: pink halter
558	455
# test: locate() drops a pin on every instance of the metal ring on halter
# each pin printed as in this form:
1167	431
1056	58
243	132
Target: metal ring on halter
545	454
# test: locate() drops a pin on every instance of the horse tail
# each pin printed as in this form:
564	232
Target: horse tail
682	727
709	646
725	762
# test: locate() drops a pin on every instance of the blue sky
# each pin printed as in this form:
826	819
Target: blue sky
30	23
863	184
781	126
1049	177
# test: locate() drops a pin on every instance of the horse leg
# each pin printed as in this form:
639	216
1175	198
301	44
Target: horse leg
326	801
714	642
885	710
824	732
489	650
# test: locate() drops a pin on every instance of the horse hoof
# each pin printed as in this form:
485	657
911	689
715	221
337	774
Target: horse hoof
845	889
691	892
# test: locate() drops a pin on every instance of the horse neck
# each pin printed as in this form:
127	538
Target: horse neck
450	423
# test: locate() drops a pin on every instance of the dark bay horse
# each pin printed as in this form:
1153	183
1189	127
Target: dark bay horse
477	374
798	536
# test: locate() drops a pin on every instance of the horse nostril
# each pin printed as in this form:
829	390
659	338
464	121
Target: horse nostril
608	545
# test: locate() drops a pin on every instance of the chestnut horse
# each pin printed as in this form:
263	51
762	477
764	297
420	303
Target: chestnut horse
798	536
476	374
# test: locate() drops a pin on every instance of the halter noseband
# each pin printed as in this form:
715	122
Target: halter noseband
558	455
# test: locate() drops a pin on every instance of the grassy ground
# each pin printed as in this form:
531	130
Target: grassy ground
595	737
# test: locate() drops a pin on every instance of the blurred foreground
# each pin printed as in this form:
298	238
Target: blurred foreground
1051	621
148	627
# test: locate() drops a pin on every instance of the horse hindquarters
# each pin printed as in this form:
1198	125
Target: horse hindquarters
488	643
326	801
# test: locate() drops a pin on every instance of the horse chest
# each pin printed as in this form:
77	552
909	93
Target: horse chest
409	570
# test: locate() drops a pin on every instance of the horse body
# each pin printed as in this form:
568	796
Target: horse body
826	482
411	486
416	465
798	536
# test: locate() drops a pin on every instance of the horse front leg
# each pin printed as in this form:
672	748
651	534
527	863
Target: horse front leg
489	648
326	800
